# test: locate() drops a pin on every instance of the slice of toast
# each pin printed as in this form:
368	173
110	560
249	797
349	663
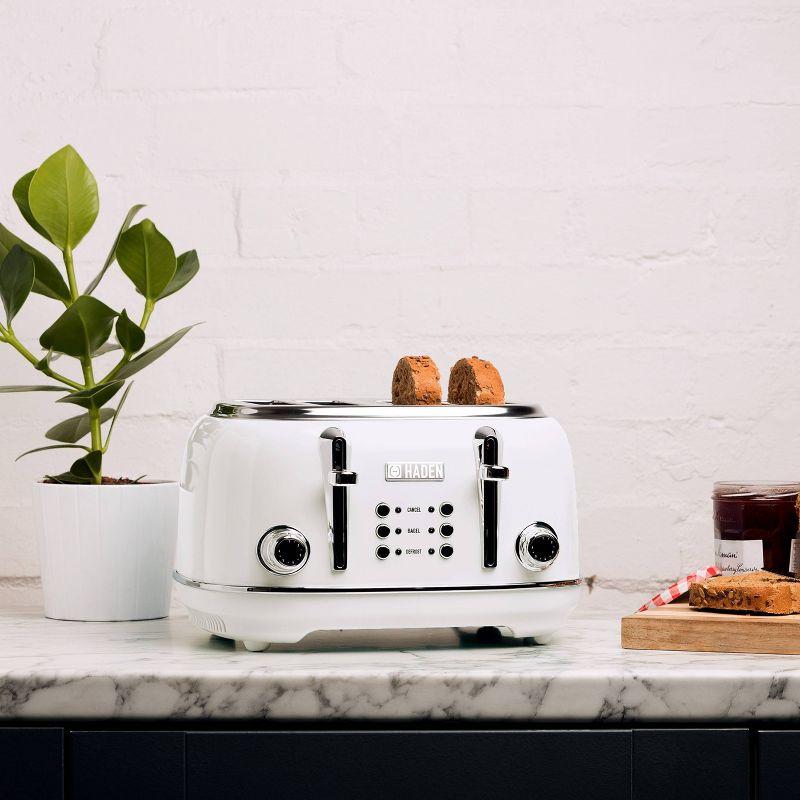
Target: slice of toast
758	592
415	382
475	382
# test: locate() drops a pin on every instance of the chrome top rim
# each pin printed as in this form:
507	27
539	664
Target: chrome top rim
337	409
224	587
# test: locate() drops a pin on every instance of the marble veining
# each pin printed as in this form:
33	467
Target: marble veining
168	669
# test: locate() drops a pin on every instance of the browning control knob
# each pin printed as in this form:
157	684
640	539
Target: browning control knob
283	550
537	547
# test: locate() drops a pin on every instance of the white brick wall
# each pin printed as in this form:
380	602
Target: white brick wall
602	197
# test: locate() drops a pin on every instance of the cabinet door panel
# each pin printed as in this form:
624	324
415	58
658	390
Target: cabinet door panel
560	765
778	759
31	763
666	762
126	765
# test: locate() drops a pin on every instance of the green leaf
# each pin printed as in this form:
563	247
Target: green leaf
188	266
126	223
43	364
48	279
4	389
66	477
84	471
147	258
108	347
52	447
116	414
75	428
20	195
95	397
149	356
51	355
63	198
16	280
129	334
81	329
88	467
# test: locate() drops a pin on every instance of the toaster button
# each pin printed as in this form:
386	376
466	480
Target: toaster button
446	509
382	531
283	550
446	529
383	552
290	552
382	510
537	547
446	550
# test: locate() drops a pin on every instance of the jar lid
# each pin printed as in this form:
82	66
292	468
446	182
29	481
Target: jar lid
756	490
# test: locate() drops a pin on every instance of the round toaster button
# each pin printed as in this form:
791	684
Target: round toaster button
445	551
382	552
537	546
283	550
446	529
382	531
446	509
382	510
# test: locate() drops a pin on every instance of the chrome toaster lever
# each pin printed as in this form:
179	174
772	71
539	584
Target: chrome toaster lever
490	473
333	452
342	477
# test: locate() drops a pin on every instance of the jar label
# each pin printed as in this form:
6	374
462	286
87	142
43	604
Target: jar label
739	555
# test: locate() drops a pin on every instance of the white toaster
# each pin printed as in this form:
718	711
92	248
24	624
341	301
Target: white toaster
305	516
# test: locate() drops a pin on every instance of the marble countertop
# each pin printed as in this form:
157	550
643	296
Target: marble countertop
167	669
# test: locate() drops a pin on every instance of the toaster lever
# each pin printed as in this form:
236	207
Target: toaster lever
342	477
490	473
339	478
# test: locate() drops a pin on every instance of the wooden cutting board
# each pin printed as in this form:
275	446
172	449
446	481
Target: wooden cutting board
676	626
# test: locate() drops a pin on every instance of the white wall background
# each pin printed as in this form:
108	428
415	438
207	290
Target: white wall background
601	197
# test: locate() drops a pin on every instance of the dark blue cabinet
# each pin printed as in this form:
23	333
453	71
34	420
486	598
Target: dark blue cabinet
195	763
666	762
778	760
559	765
126	765
31	763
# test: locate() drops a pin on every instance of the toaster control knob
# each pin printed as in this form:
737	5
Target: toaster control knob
537	547
283	550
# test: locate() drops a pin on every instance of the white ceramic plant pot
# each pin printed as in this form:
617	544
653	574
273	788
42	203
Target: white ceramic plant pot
107	551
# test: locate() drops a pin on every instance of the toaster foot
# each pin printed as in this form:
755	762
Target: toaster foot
255	647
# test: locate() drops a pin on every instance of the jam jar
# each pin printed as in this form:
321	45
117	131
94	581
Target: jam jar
755	525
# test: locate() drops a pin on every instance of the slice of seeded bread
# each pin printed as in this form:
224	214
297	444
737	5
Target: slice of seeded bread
416	382
760	592
475	382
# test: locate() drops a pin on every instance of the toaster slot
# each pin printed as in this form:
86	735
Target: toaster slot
490	473
338	479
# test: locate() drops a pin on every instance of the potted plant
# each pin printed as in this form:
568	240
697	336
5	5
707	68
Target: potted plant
106	544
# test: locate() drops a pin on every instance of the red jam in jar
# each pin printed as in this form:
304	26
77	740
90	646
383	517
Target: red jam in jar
755	525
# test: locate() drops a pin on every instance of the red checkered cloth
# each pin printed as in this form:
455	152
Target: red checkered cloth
679	588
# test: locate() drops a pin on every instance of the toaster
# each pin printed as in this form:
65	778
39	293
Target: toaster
298	517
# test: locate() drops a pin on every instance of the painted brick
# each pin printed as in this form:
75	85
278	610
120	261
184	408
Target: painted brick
298	223
601	198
